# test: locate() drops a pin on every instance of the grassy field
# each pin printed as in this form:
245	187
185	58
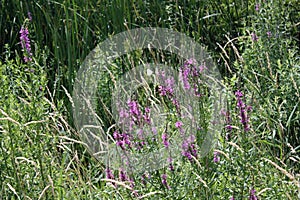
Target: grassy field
255	46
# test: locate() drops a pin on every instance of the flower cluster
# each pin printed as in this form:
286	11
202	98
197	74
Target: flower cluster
164	138
243	110
252	194
164	180
25	43
257	6
216	157
167	88
254	37
189	74
135	118
189	148
122	139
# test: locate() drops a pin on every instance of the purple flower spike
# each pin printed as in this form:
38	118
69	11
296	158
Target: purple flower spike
109	174
216	157
165	140
171	167
178	124
254	37
243	110
122	175
257	7
252	194
238	93
189	148
25	44
29	16
164	180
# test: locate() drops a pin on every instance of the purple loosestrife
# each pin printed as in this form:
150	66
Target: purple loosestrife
134	110
189	74
146	115
164	138
252	194
243	110
178	124
171	167
257	6
29	16
232	198
164	180
167	87
25	44
189	148
122	140
109	175
216	157
122	175
254	37
177	106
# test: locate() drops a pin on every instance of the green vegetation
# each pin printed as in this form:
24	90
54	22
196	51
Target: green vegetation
255	45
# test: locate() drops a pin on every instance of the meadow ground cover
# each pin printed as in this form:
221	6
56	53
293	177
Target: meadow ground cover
254	45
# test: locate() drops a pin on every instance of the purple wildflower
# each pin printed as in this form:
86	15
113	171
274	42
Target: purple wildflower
154	130
134	109
191	72
190	61
166	89
122	140
131	183
170	85
109	174
171	167
123	113
228	127
201	68
162	90
29	16
257	6
238	93
178	124
252	194
232	198
122	175
177	106
254	37
184	77
243	110
164	138
216	157
189	148
269	34
164	180
25	43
